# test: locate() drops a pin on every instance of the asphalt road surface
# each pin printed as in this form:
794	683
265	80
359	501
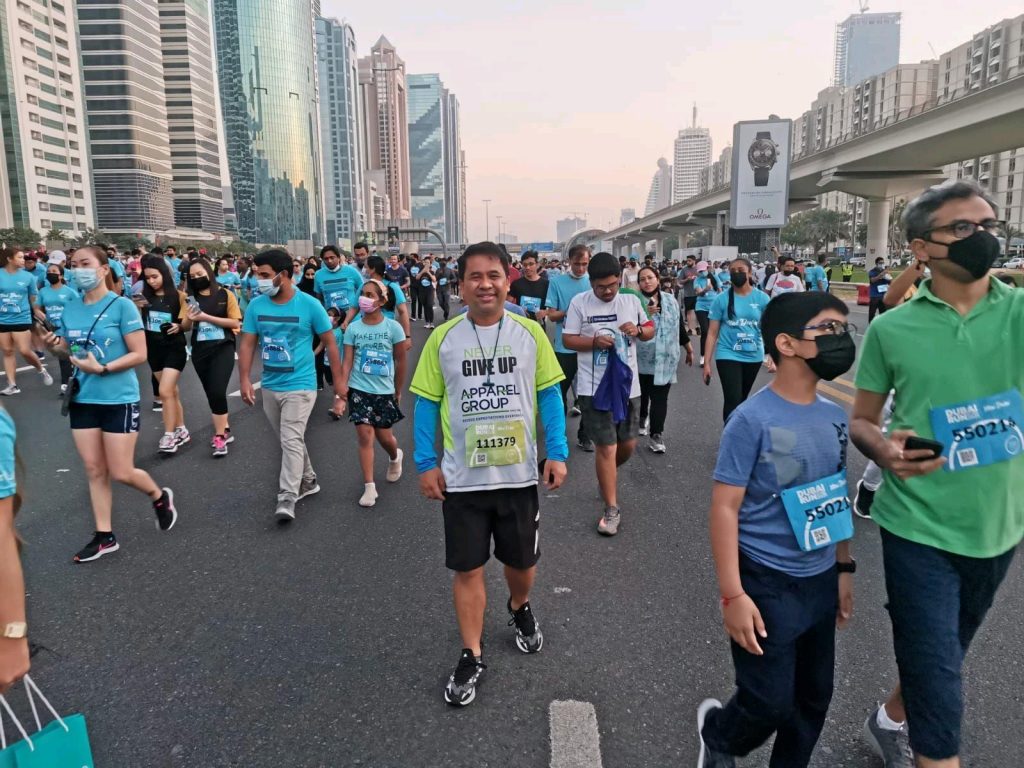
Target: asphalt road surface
232	642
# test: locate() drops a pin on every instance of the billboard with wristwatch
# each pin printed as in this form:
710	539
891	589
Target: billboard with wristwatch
760	174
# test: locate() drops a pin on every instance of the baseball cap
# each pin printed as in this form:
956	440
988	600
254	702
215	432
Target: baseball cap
57	257
702	265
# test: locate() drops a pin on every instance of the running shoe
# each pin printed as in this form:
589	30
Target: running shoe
220	445
529	638
702	360
285	511
182	436
228	437
168	443
575	411
657	444
369	497
63	388
166	514
643	427
395	468
46	377
11	389
586	445
709	758
609	524
158	407
308	487
863	500
461	688
100	545
892	746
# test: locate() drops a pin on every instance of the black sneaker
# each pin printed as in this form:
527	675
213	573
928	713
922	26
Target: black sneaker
100	545
586	445
166	514
158	407
863	500
529	638
461	688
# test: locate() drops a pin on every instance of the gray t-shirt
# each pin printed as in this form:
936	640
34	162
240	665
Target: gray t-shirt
688	288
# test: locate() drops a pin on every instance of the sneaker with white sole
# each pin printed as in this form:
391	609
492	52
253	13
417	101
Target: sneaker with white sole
657	444
308	487
11	389
643	427
609	523
158	407
219	445
100	545
862	501
166	513
461	688
395	468
168	444
529	638
182	436
285	510
892	746
709	758
46	377
369	497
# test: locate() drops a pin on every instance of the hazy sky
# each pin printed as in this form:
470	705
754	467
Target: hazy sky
566	106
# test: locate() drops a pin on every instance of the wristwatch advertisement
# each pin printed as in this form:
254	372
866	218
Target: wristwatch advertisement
762	156
759	193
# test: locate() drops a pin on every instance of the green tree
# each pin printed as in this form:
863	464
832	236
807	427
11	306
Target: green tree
670	244
797	230
698	238
862	233
89	236
20	236
55	234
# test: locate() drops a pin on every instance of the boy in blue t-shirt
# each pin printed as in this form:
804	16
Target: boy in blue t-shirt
780	530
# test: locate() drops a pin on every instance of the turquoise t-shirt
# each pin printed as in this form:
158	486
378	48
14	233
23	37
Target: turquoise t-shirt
230	280
174	264
373	356
399	298
339	288
561	290
15	290
704	301
106	344
8	478
739	337
53	300
40	274
815	275
286	339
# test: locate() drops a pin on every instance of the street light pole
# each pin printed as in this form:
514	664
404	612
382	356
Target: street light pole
487	218
499	218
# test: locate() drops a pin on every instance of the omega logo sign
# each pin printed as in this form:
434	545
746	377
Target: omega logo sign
760	214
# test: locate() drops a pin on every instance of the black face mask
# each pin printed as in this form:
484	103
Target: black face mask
739	279
52	279
976	253
835	356
199	283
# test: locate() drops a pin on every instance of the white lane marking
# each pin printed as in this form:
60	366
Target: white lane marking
562	590
238	392
23	368
575	741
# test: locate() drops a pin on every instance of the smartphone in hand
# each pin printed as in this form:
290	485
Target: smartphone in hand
915	443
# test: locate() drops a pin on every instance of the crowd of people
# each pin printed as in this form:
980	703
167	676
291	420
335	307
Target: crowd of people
946	483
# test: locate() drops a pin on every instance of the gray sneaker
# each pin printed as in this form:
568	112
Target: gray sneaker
308	487
892	746
285	511
609	524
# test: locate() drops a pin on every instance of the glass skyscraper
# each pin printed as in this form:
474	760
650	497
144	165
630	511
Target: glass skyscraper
867	44
426	149
267	72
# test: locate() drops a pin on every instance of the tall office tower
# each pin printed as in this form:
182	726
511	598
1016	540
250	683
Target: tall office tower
340	136
566	228
385	115
454	172
626	215
191	115
427	113
45	175
660	194
867	44
268	99
124	92
692	155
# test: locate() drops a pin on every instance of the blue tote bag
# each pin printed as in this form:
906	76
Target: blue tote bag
63	743
612	393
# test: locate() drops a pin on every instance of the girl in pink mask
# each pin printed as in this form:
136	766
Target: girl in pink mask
373	375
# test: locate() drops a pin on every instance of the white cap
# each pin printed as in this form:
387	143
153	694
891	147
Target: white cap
57	257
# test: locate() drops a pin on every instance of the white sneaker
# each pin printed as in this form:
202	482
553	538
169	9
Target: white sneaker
395	468
168	444
182	436
643	428
11	389
46	377
369	497
702	360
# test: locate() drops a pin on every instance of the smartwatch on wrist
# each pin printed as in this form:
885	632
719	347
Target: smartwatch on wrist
850	567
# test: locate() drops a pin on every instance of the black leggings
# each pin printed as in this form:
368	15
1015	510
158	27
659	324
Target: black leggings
214	367
653	399
737	381
702	321
442	301
427	304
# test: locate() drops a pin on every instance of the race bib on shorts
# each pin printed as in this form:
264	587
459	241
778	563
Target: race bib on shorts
819	512
981	432
495	444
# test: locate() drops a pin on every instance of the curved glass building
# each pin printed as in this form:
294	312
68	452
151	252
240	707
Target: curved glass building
268	97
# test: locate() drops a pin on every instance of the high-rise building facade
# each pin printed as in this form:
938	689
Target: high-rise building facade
427	113
867	44
454	172
267	75
126	103
45	175
660	194
566	228
341	137
191	114
692	155
385	115
626	215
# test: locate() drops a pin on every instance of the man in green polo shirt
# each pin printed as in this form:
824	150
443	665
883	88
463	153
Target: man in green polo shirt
949	524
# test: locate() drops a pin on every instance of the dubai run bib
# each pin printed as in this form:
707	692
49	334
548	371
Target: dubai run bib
981	432
819	512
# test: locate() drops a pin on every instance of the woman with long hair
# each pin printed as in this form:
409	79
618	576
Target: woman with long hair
214	319
225	276
163	310
18	292
707	287
658	358
734	336
53	297
103	334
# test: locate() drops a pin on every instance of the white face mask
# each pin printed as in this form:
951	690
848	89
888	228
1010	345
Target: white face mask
267	287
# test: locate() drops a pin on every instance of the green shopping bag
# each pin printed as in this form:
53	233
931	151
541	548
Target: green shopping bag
64	743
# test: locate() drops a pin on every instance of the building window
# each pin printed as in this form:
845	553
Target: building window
44	206
33	117
36	135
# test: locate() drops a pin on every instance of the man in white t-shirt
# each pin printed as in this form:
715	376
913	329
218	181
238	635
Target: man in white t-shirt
787	280
596	322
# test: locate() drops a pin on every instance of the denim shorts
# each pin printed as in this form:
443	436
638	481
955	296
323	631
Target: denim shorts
937	601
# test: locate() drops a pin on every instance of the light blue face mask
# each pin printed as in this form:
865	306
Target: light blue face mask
85	278
267	287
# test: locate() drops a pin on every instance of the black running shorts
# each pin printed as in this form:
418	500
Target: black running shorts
510	515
